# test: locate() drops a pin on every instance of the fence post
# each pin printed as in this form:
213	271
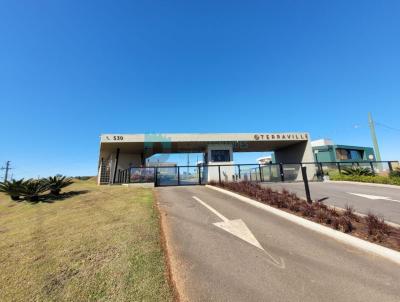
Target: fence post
306	186
338	165
116	165
239	171
199	171
155	177
321	169
261	178
390	166
179	177
281	172
372	167
219	174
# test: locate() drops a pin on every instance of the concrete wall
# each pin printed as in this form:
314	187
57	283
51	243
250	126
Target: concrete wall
127	160
301	152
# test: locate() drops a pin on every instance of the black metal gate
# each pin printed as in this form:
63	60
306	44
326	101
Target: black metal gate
179	176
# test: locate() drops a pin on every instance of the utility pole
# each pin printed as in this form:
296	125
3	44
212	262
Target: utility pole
7	168
373	136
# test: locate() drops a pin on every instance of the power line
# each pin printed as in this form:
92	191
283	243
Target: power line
386	126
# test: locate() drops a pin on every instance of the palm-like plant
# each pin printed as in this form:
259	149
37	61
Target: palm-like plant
56	183
13	188
32	188
357	171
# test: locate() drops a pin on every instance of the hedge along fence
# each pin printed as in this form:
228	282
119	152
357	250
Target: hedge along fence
370	227
371	179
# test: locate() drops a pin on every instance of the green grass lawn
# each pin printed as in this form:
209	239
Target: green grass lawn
100	245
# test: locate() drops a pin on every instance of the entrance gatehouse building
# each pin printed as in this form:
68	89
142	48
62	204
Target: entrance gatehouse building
123	154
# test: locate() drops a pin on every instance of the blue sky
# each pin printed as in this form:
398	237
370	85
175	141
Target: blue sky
71	70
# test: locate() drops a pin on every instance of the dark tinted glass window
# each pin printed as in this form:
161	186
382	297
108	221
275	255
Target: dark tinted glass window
220	155
356	154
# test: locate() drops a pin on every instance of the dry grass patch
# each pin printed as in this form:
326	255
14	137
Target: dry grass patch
102	244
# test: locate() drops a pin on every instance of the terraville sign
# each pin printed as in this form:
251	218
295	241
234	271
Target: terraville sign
283	136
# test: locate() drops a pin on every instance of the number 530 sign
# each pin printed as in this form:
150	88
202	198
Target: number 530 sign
115	138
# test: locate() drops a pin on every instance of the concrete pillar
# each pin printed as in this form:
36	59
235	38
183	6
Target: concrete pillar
297	153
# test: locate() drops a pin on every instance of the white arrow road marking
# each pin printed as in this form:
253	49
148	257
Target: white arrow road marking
373	197
239	229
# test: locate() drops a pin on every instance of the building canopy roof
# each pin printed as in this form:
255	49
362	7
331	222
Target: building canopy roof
198	142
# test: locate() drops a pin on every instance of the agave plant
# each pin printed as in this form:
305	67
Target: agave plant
56	183
32	188
13	188
357	171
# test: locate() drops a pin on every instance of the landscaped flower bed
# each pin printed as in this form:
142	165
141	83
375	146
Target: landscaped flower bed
371	227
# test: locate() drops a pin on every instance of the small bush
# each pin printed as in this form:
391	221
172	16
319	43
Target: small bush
335	223
350	213
13	188
323	216
333	212
294	206
378	230
32	188
307	210
345	224
56	183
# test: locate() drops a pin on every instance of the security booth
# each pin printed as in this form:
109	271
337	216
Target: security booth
123	157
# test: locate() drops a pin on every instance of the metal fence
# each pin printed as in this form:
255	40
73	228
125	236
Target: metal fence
281	172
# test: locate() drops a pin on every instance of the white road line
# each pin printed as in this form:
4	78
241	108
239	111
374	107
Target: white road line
211	209
238	228
373	197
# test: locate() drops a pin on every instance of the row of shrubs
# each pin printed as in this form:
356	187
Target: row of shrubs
361	174
31	189
345	221
370	179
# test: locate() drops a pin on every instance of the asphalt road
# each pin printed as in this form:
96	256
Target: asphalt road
293	264
338	194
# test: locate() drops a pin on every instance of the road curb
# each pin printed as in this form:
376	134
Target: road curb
166	247
373	248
